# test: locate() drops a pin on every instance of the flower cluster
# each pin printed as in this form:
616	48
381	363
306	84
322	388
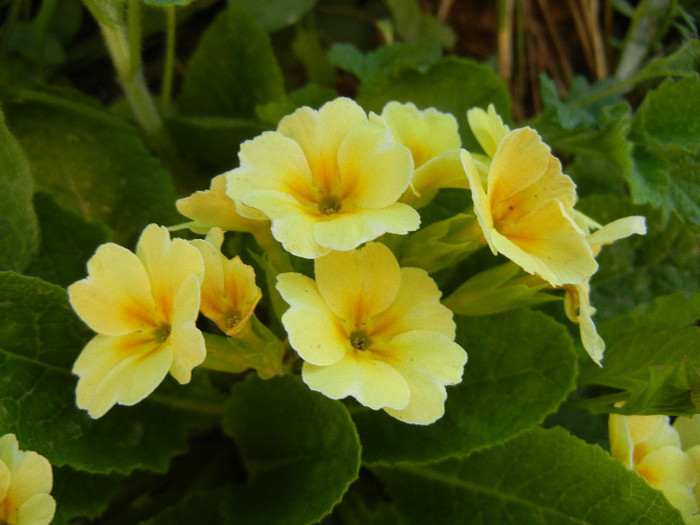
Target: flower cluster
25	485
666	456
331	185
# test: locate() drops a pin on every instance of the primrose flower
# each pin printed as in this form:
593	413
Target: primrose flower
650	446
229	292
25	483
577	303
434	141
327	179
212	207
143	307
369	329
527	209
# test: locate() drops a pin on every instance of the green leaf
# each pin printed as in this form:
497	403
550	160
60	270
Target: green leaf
80	494
274	15
67	242
652	357
682	62
232	70
19	231
521	362
300	448
453	85
539	477
666	158
93	166
40	337
412	23
168	3
385	62
195	507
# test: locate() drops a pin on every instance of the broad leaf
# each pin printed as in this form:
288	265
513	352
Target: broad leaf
300	448
652	357
521	362
92	165
540	477
276	14
666	158
412	23
19	231
40	337
81	495
232	70
67	242
453	85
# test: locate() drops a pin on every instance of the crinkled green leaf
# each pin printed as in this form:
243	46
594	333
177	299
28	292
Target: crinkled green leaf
40	337
67	242
274	15
365	502
666	159
385	62
168	3
682	62
300	448
453	85
641	267
196	507
412	23
652	357
19	231
93	166
232	70
540	477
521	362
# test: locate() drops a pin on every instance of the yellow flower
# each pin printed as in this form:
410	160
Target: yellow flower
213	207
25	483
372	330
434	142
327	179
577	303
650	446
526	211
229	292
143	307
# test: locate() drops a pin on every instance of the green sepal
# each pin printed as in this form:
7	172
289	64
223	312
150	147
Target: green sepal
498	289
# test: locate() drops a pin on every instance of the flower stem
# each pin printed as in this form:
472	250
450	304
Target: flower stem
169	63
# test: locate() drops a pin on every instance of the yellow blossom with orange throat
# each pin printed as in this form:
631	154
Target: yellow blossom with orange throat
229	292
369	329
26	480
526	210
143	306
650	446
327	179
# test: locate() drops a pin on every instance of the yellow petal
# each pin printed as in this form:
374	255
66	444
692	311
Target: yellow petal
115	298
292	223
120	370
213	207
360	284
373	383
426	133
482	209
621	444
488	128
186	342
5	479
31	475
619	229
444	171
651	432
673	472
416	307
374	169
273	162
320	133
168	263
694	453
345	231
37	510
427	400
547	242
314	331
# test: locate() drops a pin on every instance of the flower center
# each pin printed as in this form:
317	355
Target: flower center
329	205
231	321
360	340
162	333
